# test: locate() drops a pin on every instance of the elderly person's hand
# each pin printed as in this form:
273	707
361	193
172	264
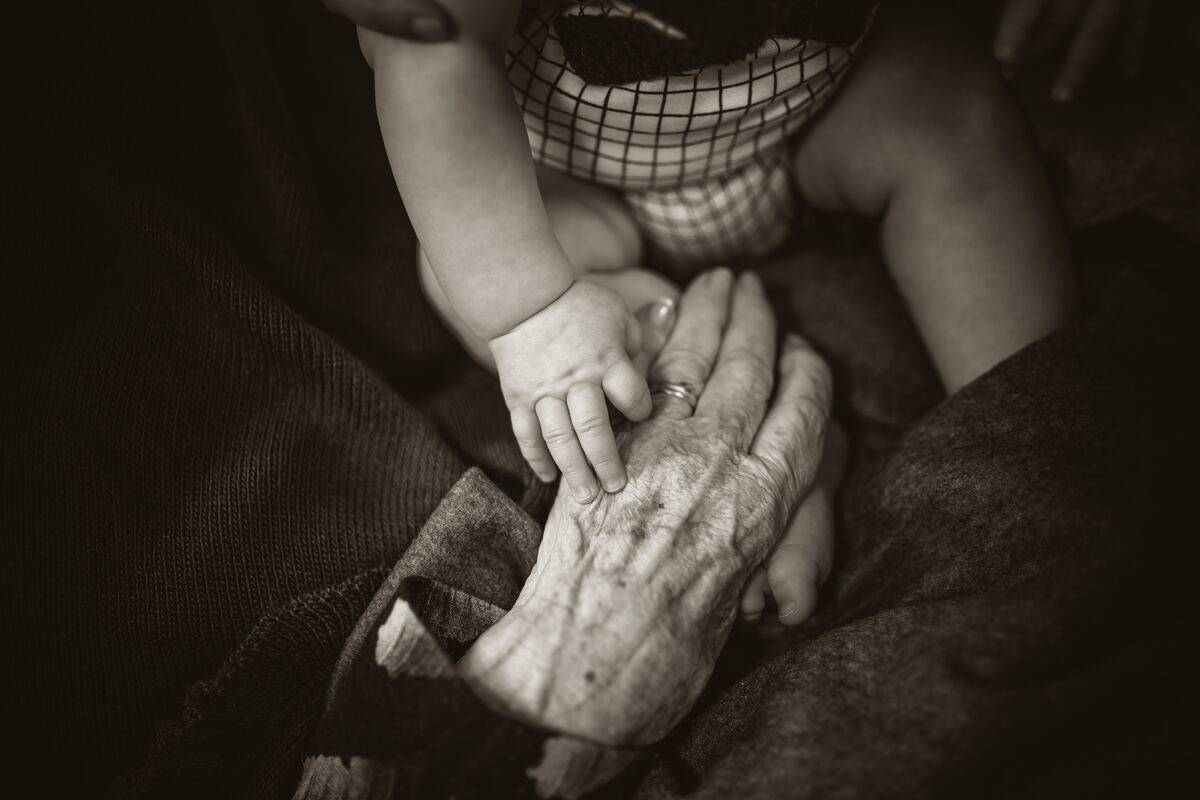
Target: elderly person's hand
618	627
1088	28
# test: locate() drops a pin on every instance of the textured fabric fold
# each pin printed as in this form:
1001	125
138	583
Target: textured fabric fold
398	720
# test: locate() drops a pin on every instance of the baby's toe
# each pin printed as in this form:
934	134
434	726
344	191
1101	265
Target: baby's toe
754	596
793	579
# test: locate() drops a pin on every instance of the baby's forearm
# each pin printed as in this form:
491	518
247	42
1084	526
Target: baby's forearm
460	156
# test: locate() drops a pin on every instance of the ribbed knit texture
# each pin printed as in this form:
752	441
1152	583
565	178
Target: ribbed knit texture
226	388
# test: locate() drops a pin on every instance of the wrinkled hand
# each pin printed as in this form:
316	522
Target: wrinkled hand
1032	28
556	369
618	627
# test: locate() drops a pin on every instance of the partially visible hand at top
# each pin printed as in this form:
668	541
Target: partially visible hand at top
556	370
422	20
1087	28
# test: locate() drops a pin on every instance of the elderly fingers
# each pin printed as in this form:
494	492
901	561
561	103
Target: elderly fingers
790	439
589	415
559	434
688	355
741	381
1089	46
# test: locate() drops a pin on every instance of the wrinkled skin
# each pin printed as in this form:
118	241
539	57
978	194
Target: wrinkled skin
619	625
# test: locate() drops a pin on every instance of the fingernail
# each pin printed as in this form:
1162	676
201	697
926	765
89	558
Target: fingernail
583	494
790	610
430	29
661	310
614	485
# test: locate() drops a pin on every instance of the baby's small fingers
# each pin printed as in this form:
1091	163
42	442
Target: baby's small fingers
754	596
559	435
1057	25
1016	25
1096	32
528	432
589	415
627	390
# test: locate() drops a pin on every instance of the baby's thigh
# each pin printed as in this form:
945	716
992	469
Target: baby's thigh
924	97
592	224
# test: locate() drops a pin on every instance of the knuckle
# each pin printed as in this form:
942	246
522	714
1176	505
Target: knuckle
529	443
749	358
685	361
813	413
576	473
627	393
591	425
579	393
729	436
603	460
557	436
636	397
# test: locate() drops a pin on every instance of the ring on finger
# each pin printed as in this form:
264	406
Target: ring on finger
680	390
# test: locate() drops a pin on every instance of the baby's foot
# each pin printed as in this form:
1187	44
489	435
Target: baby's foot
800	562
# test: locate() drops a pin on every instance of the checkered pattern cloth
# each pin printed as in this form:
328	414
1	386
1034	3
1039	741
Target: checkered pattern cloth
700	157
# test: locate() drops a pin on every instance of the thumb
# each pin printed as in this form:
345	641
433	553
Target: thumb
656	319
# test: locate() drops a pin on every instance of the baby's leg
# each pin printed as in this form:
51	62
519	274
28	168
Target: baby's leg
600	239
925	136
795	570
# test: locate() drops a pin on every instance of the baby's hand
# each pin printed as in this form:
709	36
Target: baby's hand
556	368
1036	27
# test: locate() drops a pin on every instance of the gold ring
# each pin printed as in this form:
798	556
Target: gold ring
682	391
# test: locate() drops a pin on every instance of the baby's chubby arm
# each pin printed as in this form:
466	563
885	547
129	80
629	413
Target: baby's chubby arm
460	156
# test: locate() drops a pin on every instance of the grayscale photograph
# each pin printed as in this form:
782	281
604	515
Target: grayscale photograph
615	399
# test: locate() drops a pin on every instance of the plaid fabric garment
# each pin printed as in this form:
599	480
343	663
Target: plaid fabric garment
700	156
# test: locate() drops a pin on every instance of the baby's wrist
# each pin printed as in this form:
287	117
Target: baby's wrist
524	286
505	321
